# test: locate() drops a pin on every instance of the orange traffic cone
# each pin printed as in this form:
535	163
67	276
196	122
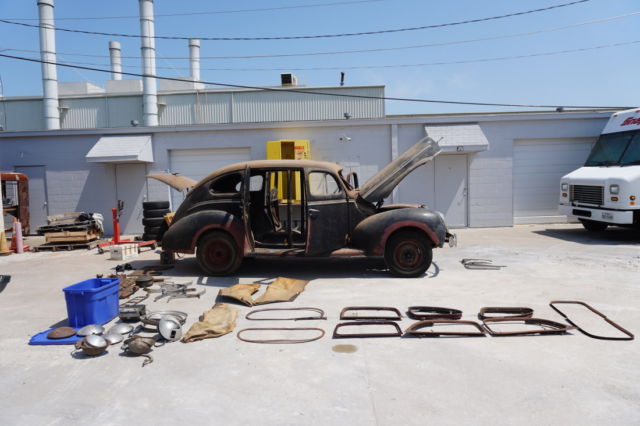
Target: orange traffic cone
4	249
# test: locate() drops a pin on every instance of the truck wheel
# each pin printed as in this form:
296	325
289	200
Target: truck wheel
218	254
593	226
408	254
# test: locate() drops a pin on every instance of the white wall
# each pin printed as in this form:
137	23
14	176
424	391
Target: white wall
73	184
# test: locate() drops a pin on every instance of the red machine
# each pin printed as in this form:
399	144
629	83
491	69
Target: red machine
116	213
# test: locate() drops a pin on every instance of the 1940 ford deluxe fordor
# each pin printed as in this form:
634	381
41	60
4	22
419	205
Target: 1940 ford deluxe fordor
306	208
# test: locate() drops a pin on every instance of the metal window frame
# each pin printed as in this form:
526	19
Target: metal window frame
414	329
422	313
337	335
554	327
343	315
630	335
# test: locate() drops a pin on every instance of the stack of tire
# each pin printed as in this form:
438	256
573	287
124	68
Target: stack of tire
153	219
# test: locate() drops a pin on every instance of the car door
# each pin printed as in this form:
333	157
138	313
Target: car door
327	213
246	209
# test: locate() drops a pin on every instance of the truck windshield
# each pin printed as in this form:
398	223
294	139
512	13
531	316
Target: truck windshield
616	149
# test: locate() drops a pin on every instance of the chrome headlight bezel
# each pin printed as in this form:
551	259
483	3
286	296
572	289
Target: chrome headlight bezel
614	189
564	186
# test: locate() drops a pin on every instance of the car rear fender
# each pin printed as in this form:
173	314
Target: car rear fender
183	235
372	233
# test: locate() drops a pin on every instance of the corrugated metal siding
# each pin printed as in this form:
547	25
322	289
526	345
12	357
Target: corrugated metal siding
201	108
252	107
22	115
177	109
123	109
214	108
83	113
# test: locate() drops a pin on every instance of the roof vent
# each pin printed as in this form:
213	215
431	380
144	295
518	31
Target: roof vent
288	80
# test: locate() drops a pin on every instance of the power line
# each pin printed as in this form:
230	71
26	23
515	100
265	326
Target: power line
396	30
382	49
364	67
212	12
304	91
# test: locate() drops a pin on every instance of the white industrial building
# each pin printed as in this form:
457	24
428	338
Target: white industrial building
85	147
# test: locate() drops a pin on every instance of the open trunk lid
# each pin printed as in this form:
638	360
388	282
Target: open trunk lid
382	183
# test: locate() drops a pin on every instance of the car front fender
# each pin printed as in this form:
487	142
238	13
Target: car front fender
372	233
183	235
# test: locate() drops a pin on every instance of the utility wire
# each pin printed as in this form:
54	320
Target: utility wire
396	30
213	12
366	67
339	52
305	91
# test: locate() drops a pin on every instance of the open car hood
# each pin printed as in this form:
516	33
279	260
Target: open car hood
175	181
382	183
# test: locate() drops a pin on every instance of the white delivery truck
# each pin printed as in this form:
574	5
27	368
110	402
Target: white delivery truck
606	190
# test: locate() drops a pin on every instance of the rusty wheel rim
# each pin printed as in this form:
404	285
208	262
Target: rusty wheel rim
218	254
408	255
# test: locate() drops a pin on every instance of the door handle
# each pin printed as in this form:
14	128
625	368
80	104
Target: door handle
313	213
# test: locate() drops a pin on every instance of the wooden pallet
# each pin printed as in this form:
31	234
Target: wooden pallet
67	246
72	236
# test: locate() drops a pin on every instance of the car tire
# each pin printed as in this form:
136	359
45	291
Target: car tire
155	205
153	221
154	213
152	230
218	254
149	237
408	253
594	226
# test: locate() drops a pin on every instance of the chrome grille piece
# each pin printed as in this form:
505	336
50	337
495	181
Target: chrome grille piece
587	194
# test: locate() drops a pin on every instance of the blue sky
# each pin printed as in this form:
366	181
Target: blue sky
601	77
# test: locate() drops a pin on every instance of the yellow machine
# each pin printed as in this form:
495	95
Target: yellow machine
288	150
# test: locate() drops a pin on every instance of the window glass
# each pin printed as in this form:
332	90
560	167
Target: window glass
609	149
227	184
632	154
322	183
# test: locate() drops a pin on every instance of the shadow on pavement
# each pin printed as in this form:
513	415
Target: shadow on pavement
611	236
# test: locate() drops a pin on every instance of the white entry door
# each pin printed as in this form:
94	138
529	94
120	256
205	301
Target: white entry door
131	188
198	163
451	188
38	207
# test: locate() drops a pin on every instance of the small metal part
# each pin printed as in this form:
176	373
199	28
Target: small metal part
143	281
96	341
153	318
88	349
132	313
546	326
432	313
320	335
480	264
320	316
112	338
90	329
174	291
169	328
396	333
505	312
416	329
120	329
630	336
61	333
344	316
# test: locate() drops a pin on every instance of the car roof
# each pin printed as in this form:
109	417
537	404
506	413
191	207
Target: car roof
260	164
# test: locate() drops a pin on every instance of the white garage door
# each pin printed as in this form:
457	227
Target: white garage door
538	165
198	163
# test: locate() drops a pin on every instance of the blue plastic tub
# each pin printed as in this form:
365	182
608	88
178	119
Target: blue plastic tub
93	301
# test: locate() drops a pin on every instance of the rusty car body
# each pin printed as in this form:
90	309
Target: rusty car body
306	208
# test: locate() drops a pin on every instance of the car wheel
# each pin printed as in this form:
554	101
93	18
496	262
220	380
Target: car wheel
153	221
218	254
408	254
593	226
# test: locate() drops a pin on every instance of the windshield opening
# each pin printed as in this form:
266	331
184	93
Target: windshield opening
616	149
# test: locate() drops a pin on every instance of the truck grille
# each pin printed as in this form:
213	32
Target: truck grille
587	194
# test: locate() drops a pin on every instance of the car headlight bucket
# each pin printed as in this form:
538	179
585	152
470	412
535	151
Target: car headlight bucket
564	186
614	189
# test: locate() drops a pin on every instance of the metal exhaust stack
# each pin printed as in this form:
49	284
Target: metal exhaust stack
116	60
49	73
148	47
194	59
